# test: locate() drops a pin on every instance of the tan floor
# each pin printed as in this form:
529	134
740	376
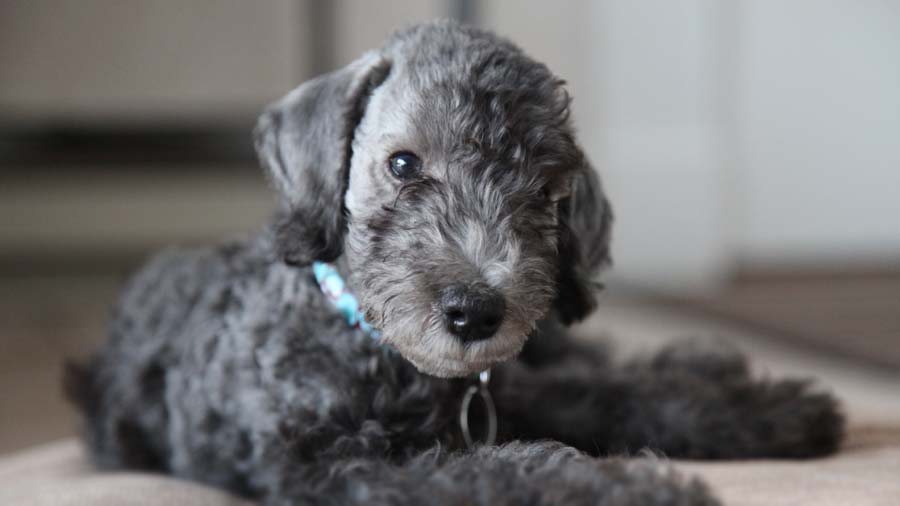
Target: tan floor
43	321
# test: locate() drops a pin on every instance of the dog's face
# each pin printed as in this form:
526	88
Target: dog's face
452	242
444	170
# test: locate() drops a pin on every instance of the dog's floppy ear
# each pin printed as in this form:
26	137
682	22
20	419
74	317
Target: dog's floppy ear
585	220
304	143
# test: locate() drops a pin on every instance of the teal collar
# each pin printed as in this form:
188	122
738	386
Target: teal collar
334	288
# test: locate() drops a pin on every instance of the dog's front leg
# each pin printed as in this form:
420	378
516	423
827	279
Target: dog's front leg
687	401
538	474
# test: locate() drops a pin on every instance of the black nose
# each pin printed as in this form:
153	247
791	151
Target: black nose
472	312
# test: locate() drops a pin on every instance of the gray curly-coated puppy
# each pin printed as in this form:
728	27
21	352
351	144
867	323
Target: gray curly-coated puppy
441	176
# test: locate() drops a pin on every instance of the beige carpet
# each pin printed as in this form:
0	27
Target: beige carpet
866	474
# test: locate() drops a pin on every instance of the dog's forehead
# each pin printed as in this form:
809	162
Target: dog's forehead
468	121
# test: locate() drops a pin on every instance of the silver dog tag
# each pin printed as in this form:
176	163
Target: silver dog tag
481	390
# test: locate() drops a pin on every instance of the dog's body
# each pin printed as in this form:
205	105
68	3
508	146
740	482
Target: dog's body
231	367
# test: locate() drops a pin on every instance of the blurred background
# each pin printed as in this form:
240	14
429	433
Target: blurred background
751	149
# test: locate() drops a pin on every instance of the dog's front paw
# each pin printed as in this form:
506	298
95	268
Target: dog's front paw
566	477
685	415
790	419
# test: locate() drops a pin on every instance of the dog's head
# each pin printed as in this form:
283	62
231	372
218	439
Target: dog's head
442	172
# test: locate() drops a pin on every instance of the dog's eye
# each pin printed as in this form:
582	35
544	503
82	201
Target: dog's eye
405	165
553	195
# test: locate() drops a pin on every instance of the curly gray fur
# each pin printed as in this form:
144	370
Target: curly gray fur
228	365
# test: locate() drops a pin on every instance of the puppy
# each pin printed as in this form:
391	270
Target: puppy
437	219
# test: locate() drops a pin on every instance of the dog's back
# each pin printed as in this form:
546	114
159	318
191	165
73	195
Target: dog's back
120	390
172	306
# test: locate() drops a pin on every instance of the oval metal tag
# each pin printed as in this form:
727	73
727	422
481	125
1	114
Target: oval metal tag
480	390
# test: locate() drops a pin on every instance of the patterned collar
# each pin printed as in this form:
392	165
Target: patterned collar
332	285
